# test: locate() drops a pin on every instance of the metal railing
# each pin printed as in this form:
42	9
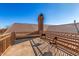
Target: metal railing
67	43
6	40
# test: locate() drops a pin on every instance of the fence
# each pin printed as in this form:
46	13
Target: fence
64	43
6	40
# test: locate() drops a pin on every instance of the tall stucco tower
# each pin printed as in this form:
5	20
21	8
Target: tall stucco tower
40	23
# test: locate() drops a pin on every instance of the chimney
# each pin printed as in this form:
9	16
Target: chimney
40	23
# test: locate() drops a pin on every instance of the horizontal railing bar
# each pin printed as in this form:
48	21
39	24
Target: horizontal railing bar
66	41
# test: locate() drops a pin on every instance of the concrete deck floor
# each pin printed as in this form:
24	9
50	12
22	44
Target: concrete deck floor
19	49
32	47
27	47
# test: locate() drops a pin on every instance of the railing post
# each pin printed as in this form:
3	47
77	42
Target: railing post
13	38
1	47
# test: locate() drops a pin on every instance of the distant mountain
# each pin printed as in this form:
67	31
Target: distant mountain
19	27
64	28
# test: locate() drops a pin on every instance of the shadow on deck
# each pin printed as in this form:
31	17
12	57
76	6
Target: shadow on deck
27	47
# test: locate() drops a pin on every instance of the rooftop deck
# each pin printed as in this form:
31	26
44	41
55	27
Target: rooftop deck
65	44
27	47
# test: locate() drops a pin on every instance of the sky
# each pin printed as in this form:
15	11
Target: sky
54	13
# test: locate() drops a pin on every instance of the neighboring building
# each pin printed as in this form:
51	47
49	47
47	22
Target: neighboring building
2	31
